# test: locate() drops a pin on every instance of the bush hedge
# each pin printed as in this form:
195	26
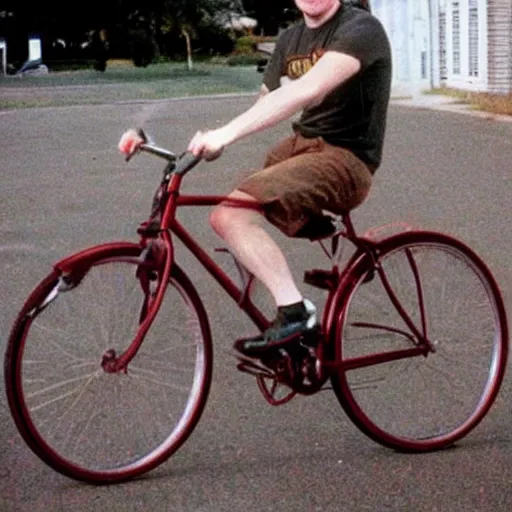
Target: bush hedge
247	59
143	48
249	44
69	64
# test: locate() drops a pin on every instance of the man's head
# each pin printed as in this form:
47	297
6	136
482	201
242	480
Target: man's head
316	8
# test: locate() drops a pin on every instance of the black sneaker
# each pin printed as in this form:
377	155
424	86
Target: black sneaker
284	330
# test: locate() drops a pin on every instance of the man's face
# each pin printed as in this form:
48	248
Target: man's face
315	8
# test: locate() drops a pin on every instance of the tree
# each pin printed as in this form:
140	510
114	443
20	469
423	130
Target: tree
166	19
271	14
187	16
150	20
274	14
51	21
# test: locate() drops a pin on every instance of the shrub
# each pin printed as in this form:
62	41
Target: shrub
100	65
143	48
98	48
212	40
246	44
247	59
69	64
249	44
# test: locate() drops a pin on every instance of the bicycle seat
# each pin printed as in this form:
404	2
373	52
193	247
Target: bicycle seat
325	225
318	227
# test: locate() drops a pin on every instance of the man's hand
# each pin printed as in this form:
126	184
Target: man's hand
209	144
130	142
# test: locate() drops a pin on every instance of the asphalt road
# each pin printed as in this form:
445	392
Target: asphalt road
64	187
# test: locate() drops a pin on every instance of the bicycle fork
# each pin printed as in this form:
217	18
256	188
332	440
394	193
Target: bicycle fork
153	274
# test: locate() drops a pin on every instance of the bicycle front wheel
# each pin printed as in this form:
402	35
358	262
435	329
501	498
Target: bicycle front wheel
87	422
424	401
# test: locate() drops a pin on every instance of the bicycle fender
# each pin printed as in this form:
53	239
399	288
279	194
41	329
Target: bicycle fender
91	253
337	296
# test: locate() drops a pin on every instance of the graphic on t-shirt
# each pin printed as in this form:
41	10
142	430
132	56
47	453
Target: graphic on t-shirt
299	65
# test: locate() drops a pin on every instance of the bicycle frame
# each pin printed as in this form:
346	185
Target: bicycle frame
240	296
159	242
170	224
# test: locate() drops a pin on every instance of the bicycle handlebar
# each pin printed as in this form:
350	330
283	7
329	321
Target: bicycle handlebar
183	163
186	162
161	152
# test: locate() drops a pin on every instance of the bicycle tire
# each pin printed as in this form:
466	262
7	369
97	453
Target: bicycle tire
421	403
82	421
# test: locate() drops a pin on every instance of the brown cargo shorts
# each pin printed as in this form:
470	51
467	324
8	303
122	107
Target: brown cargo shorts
303	177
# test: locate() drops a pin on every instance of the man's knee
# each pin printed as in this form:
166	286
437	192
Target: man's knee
220	219
225	218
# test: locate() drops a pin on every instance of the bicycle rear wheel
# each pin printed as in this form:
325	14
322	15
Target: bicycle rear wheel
82	420
422	402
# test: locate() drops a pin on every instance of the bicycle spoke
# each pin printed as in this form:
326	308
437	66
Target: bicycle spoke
447	293
57	386
90	420
162	383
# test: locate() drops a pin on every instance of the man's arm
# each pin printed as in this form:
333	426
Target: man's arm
331	70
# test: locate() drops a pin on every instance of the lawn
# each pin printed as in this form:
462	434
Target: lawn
486	102
124	82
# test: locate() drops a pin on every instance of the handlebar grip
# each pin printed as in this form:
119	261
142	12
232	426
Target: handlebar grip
142	134
186	162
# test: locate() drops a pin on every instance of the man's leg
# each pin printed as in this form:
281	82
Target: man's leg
313	177
256	250
242	230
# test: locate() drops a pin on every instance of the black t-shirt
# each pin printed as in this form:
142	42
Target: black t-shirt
353	116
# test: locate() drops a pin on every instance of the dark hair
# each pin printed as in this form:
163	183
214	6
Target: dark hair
361	4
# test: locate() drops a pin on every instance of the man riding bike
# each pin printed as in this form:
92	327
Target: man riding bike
335	67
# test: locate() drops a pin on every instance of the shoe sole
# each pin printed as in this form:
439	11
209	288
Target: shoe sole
300	338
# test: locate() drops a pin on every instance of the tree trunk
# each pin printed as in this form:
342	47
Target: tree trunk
186	35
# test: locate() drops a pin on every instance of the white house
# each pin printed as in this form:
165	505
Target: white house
409	27
464	44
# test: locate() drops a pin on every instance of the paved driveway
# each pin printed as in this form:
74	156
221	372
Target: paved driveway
63	187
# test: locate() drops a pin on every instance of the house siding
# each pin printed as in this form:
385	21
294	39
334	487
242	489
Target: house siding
476	57
500	46
464	44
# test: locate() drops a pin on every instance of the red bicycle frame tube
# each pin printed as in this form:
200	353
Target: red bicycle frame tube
169	223
163	244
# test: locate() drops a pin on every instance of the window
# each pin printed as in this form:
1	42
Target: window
456	37
473	38
442	46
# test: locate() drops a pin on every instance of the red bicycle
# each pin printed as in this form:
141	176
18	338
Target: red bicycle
109	363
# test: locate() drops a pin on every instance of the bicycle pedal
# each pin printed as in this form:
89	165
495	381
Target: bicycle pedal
251	367
323	279
311	338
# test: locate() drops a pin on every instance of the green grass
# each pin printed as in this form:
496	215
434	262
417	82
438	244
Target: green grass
122	82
